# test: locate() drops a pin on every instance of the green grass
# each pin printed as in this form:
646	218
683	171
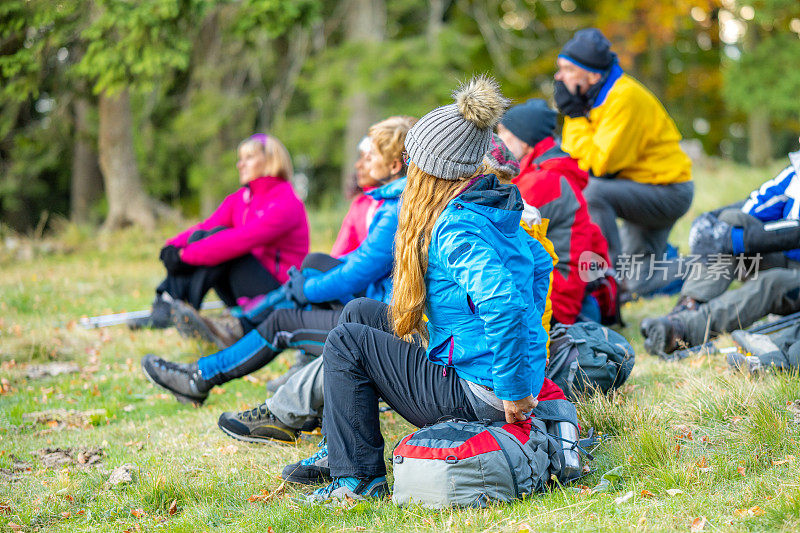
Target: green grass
725	440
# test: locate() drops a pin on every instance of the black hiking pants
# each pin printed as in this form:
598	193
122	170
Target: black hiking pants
364	361
242	276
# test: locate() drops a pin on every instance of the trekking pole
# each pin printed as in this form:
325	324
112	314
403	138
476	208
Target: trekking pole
114	319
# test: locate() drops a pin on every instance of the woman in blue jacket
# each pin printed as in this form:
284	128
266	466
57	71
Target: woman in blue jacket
318	296
462	260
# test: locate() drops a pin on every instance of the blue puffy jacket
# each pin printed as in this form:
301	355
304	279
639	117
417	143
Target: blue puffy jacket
487	283
368	267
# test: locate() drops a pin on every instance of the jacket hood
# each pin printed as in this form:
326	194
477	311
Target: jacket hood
502	204
794	158
393	189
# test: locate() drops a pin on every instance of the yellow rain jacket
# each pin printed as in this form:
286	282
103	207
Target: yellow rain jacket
627	132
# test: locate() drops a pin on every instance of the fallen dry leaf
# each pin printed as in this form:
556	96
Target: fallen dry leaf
5	508
753	511
15	527
65	515
646	494
228	450
788	459
138	513
740	470
698	524
173	507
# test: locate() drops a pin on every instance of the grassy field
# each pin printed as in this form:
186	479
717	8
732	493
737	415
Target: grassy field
700	447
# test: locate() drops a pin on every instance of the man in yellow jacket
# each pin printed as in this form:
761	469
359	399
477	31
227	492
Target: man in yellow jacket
621	134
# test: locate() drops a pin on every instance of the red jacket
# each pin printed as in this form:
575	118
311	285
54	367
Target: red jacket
355	224
265	218
552	181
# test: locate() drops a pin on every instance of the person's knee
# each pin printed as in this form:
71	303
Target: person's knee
343	346
278	320
359	310
319	261
735	217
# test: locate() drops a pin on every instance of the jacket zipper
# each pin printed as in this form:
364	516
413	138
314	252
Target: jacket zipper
449	357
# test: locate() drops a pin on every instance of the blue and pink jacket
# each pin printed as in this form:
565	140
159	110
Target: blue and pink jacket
264	218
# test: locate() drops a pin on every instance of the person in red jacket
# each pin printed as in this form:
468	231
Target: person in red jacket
362	209
552	181
246	247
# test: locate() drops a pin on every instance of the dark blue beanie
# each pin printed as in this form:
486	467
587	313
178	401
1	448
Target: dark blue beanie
590	50
530	122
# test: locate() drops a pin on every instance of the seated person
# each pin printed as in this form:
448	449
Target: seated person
246	247
621	134
550	180
365	270
759	239
226	329
464	262
355	224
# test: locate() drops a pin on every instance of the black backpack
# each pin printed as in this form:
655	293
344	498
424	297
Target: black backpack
587	357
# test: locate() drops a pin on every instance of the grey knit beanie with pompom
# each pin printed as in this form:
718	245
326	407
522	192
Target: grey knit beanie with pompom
450	141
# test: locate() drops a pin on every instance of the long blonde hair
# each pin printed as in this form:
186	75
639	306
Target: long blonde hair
424	198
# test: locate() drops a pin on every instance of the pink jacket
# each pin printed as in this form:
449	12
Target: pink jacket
264	218
355	224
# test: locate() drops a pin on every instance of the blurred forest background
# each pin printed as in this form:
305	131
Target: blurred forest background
115	112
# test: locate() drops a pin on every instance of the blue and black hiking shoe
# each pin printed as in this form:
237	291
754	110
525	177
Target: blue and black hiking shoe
343	488
182	380
310	471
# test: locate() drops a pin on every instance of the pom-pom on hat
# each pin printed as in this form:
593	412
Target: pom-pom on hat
450	141
590	50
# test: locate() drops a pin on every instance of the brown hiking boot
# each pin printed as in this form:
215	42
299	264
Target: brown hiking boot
222	331
663	335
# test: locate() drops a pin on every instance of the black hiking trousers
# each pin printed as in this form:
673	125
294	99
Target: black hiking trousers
364	361
242	276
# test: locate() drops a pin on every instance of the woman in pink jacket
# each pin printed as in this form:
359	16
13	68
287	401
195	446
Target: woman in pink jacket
246	246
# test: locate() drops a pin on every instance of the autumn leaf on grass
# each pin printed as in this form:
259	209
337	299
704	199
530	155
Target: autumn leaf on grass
702	465
753	511
698	524
15	527
138	513
740	469
788	459
5	508
173	507
267	496
646	494
228	450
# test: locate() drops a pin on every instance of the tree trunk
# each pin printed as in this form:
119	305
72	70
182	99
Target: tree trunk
127	201
759	138
365	23
86	186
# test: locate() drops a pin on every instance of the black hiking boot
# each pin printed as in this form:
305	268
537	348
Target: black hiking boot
300	361
310	471
685	303
182	380
313	426
663	335
191	324
256	425
159	317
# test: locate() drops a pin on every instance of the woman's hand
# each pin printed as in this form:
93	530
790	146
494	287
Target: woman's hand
519	410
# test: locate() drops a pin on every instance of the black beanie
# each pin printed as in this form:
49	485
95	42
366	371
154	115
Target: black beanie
590	50
530	122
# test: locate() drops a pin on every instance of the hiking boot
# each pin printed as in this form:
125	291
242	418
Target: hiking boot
663	335
300	360
685	303
311	470
256	425
744	363
760	350
344	488
191	324
159	317
313	426
182	380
